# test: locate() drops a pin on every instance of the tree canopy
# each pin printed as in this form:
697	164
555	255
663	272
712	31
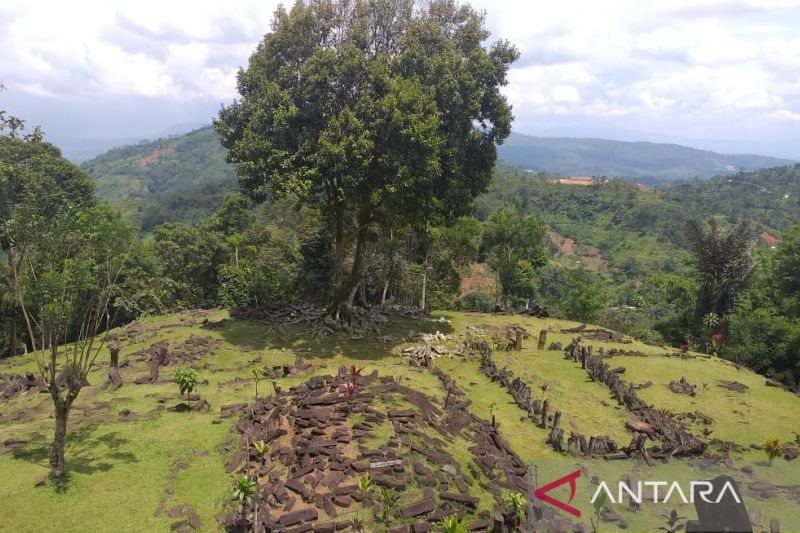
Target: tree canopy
378	113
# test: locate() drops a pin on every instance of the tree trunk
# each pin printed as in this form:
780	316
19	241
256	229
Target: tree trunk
424	288
363	292
424	281
13	332
385	290
57	465
344	290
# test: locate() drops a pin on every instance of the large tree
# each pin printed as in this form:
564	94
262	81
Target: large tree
514	245
377	112
724	258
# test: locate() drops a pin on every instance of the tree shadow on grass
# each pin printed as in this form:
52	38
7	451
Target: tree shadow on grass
372	346
89	450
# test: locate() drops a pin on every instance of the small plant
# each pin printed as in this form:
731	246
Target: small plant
706	433
262	448
244	488
452	524
673	524
187	379
492	407
258	375
364	486
598	505
516	500
710	321
773	449
353	373
388	499
665	413
544	388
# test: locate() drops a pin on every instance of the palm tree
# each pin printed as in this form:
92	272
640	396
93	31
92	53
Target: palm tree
724	257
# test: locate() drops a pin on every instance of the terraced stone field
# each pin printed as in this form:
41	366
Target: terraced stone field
143	458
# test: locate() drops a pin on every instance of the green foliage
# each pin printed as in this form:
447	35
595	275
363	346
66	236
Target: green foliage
584	297
514	246
598	504
375	131
630	321
187	379
179	179
189	258
388	499
452	524
517	501
724	257
244	488
476	301
364	484
262	448
787	268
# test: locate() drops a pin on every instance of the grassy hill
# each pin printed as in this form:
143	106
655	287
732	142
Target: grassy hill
176	178
643	161
137	465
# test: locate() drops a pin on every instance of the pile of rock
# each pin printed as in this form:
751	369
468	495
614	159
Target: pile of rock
422	356
13	384
682	387
316	436
192	350
598	334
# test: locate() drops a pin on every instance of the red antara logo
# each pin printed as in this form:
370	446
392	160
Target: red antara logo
541	493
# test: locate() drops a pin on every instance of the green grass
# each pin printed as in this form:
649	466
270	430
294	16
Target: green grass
121	468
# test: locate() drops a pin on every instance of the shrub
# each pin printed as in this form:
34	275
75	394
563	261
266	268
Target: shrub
244	488
773	449
187	379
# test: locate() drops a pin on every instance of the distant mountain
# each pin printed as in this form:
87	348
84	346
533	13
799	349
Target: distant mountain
647	162
176	178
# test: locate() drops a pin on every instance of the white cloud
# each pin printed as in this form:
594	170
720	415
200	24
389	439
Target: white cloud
682	65
152	49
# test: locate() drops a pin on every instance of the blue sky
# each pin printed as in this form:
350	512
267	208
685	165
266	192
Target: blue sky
721	74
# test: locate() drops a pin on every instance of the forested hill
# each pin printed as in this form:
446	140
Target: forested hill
646	162
631	231
178	178
185	177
